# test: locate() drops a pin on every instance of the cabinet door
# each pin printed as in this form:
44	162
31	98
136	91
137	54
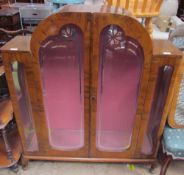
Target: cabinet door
63	58
120	69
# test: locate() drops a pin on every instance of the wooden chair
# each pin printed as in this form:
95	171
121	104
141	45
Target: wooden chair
141	9
173	147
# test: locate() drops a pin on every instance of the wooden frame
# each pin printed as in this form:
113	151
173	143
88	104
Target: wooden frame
91	20
100	22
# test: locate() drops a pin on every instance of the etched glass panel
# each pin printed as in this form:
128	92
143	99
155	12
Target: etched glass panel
61	62
18	74
121	62
158	103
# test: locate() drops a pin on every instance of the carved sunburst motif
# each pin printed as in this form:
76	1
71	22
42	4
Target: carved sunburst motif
115	37
68	31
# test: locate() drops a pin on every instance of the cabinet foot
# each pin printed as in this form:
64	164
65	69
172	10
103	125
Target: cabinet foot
153	168
14	168
24	163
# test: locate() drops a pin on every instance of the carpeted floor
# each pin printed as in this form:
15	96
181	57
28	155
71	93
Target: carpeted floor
63	168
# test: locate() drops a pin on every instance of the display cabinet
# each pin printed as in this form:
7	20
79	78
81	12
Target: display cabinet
90	85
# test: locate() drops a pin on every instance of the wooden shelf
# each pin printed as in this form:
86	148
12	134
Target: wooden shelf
6	115
15	146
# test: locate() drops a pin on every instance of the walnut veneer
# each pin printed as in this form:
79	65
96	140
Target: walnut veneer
113	60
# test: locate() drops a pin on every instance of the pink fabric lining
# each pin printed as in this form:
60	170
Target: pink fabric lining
119	77
62	81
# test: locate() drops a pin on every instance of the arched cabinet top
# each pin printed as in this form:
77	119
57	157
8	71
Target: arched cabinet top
87	18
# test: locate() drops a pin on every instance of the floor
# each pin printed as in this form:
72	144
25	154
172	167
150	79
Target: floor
63	168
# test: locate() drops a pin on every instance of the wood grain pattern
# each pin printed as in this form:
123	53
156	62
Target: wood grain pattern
54	23
91	20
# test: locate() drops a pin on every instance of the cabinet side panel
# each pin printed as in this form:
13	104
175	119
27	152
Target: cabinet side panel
18	74
158	103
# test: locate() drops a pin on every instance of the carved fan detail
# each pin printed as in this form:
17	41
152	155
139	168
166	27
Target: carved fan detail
115	37
68	31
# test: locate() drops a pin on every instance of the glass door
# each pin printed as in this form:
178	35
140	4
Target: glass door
118	83
120	69
63	66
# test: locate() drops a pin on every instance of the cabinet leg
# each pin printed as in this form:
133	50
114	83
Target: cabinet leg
24	163
165	164
153	167
15	168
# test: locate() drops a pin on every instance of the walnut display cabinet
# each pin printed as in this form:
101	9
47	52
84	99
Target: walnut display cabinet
90	85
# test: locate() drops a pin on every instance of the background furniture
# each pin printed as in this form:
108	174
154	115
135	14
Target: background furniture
172	5
173	146
140	9
180	12
88	87
31	14
9	19
10	147
30	1
7	35
60	3
2	2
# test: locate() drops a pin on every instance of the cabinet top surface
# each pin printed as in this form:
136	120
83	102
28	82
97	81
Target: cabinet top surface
165	48
160	47
18	44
